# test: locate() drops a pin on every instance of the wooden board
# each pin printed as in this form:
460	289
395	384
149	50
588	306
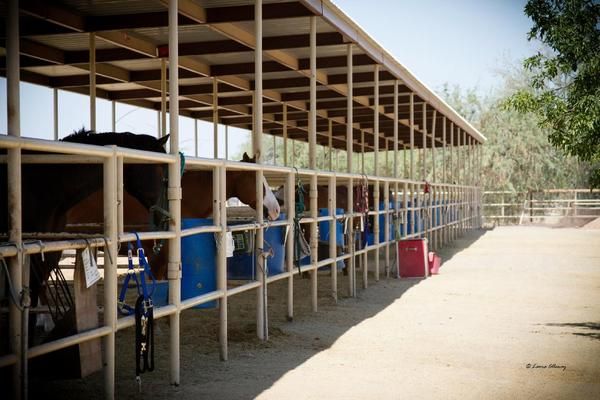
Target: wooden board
86	318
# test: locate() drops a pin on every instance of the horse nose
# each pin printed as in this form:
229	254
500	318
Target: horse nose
272	213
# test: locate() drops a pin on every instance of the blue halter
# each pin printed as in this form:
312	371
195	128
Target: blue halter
141	284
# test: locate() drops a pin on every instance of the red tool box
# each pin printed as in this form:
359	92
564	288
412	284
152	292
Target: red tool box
412	258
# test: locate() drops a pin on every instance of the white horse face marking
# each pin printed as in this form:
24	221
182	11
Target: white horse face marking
270	202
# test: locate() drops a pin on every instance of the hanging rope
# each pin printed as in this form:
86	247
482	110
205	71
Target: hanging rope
143	310
22	300
361	205
301	246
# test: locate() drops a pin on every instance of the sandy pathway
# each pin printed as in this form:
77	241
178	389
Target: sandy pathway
505	299
518	296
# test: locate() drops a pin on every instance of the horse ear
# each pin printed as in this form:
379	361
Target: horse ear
163	140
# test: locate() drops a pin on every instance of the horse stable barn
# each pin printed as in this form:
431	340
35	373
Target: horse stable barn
299	70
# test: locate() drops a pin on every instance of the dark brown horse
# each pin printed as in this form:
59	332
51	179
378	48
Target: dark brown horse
50	190
197	202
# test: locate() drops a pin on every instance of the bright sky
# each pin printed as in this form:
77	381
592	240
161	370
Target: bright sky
459	42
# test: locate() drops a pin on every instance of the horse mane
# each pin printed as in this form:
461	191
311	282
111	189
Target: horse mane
121	139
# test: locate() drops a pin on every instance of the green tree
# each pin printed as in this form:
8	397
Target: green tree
517	155
564	90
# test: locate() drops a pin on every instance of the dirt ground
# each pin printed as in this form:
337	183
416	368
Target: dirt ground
514	313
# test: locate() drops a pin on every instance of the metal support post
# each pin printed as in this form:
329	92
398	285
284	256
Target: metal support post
110	272
290	199
257	133
312	155
285	136
333	236
376	171
349	158
220	218
55	112
195	137
174	195
92	53
412	163
15	264
163	96
215	116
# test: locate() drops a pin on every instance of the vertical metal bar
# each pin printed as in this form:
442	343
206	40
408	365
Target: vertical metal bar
92	50
195	137
113	116
386	159
349	109
424	149
274	149
479	174
15	264
330	144
333	236
220	218
471	182
405	212
461	180
412	199
215	116
120	222
433	127
386	225
387	214
452	180
158	124
433	190
465	178
293	152
55	111
444	144
424	203
174	195
349	168
444	212
376	168
290	200
110	271
362	152
351	241
257	133
227	142
312	153
163	96
365	256
285	136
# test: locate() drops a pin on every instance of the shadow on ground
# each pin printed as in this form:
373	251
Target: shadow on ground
590	329
290	344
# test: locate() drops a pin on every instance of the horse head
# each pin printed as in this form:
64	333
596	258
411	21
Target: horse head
145	182
243	186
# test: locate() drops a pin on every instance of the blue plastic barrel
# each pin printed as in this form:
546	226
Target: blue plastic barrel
324	227
274	242
160	297
243	266
198	265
